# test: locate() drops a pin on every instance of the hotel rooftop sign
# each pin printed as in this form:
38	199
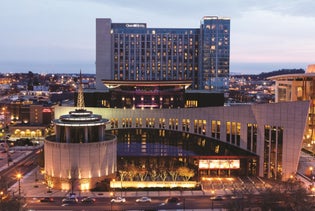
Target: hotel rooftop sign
129	25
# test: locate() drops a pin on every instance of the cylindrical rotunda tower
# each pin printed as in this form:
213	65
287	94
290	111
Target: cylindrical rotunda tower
80	154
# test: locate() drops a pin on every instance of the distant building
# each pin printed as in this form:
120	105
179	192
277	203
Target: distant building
28	119
133	52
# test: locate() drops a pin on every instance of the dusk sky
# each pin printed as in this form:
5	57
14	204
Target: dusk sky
59	35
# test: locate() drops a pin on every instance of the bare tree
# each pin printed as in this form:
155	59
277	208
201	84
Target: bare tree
163	175
289	195
142	173
4	183
154	175
174	174
122	175
73	177
132	172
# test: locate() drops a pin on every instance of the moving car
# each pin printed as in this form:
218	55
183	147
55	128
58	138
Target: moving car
217	198
70	200
47	199
173	200
118	199
144	199
88	200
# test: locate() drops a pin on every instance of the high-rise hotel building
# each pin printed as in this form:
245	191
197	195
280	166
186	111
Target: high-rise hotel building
133	52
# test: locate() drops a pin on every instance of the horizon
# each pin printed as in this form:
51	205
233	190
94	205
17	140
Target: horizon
89	67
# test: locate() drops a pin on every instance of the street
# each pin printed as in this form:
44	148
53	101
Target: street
158	203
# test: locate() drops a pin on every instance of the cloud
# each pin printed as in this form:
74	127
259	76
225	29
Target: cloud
229	7
65	29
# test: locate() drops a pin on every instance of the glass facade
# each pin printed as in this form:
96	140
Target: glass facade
150	148
197	54
215	129
273	146
252	137
214	53
233	133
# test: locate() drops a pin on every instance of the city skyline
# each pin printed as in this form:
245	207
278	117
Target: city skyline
59	36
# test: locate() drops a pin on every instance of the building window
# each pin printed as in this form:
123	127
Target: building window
114	123
215	129
233	133
126	122
150	122
299	93
185	124
123	122
191	104
138	122
173	124
162	123
273	146
252	137
200	126
228	131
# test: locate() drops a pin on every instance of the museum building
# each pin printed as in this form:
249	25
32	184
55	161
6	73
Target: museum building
270	134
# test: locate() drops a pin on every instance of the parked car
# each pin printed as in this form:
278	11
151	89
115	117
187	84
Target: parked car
88	200
144	199
118	199
47	199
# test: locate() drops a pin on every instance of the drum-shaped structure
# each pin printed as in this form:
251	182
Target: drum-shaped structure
80	154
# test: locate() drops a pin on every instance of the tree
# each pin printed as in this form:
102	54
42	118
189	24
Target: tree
185	172
174	174
122	175
142	173
11	204
289	195
3	183
154	175
132	172
163	175
74	173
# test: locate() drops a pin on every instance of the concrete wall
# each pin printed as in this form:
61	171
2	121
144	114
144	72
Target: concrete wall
83	161
103	51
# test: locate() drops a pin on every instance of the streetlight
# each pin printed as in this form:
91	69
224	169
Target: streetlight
19	176
1	196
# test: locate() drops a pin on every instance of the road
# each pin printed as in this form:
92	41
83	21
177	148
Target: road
27	164
157	203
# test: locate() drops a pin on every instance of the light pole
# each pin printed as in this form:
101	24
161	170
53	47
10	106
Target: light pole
19	176
121	186
1	196
312	176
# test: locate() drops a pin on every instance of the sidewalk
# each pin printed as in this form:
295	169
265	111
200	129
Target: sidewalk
32	188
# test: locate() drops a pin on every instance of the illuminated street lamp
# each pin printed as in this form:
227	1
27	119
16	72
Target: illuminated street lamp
18	177
1	196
